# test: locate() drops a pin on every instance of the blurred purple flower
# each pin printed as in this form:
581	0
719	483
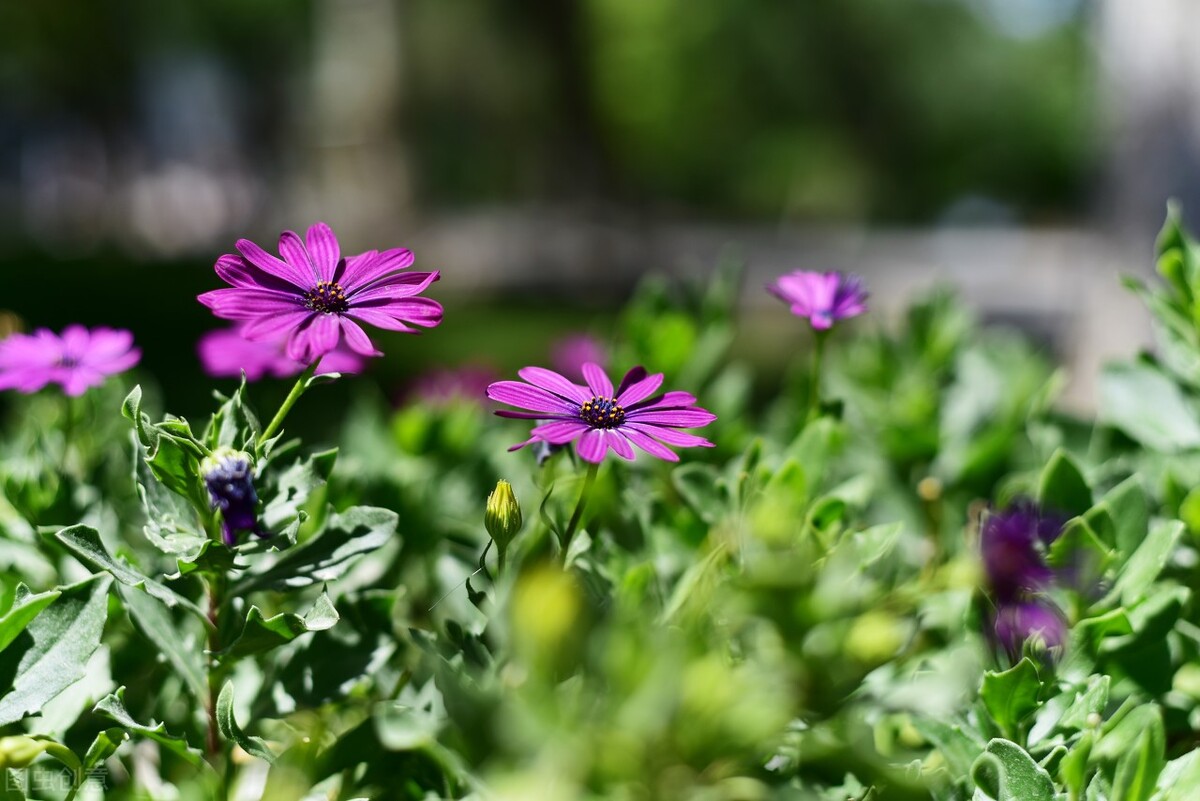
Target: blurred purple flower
569	355
468	383
226	353
1013	544
1016	623
78	359
824	298
230	484
597	417
315	299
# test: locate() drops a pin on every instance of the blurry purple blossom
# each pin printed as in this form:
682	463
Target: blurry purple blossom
824	298
1013	544
569	355
226	353
442	387
1016	623
78	359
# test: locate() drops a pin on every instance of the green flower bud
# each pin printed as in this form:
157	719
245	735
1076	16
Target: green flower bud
502	518
19	751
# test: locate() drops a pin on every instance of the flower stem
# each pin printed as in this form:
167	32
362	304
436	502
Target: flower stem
577	515
814	402
288	402
216	586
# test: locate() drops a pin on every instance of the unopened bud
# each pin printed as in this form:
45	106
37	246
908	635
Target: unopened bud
502	517
18	751
229	478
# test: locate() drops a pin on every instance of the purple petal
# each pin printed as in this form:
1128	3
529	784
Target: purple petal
639	390
324	249
357	339
275	326
314	340
403	285
508	413
617	440
648	444
677	418
367	268
559	431
421	311
276	267
292	249
552	381
592	445
246	303
525	396
671	436
381	320
597	380
634	375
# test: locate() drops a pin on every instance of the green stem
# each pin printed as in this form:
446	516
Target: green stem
288	402
577	515
216	586
814	402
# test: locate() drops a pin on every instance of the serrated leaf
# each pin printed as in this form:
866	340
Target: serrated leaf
265	633
1012	695
154	621
228	725
292	486
1006	773
53	650
84	542
212	557
1062	487
113	707
25	608
171	524
329	554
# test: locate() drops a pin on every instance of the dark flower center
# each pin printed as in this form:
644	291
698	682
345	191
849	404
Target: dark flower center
327	297
602	413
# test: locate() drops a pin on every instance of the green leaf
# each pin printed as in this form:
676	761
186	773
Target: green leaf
1062	487
697	484
263	634
212	557
105	745
171	523
1149	407
1012	695
154	620
290	489
1125	733
1145	564
25	608
85	543
1180	778
255	746
959	747
113	707
1073	769
1006	773
53	650
1137	771
233	425
1126	507
329	554
1091	701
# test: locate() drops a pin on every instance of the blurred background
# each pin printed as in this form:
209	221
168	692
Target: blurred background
545	155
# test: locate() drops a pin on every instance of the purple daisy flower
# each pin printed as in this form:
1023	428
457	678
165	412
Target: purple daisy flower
78	359
1016	623
315	299
597	417
1013	544
824	298
225	353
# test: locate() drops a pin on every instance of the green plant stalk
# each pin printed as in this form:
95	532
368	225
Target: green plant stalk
215	585
288	402
577	515
814	401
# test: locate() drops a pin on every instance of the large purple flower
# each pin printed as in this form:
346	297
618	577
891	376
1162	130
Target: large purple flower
77	360
824	298
598	418
317	299
225	353
1013	544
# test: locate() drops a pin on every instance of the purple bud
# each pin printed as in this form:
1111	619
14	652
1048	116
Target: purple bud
1020	622
1013	544
230	483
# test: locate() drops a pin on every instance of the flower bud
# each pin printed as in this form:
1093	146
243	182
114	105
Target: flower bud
502	517
230	483
18	751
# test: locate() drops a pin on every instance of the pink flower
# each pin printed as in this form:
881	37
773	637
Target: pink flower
468	383
315	299
77	360
824	298
226	353
598	418
570	354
